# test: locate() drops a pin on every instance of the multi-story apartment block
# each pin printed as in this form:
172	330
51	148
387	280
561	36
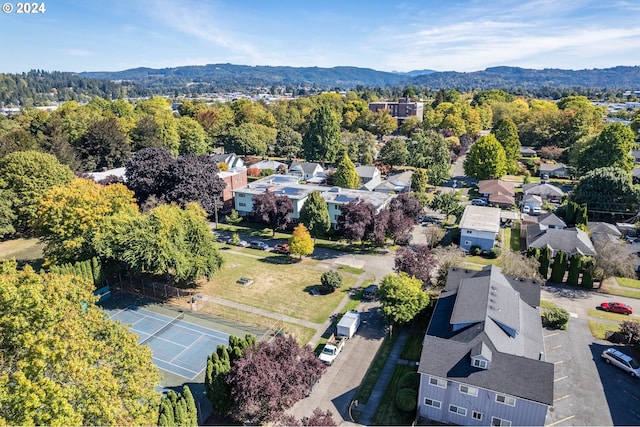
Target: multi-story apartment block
400	110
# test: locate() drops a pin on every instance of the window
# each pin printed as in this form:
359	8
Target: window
241	195
458	410
467	242
476	415
495	421
506	400
433	403
469	231
478	363
468	390
438	382
242	204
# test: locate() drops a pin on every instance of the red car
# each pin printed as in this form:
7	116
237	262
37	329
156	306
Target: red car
616	307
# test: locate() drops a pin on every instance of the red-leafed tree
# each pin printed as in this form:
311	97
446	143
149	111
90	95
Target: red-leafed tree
274	210
270	377
380	226
408	205
400	226
356	220
416	261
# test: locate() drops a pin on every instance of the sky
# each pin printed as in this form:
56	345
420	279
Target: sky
441	35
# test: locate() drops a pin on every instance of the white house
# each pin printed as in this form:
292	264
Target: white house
479	226
306	170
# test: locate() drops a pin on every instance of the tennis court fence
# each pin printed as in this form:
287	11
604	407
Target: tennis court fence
152	289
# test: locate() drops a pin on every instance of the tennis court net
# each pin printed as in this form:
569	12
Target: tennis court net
163	328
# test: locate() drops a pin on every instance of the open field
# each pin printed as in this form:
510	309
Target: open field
277	287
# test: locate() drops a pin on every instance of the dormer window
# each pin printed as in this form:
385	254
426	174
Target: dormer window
480	363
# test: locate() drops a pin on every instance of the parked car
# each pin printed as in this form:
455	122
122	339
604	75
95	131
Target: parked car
526	209
622	361
479	202
257	244
370	292
242	243
616	307
222	239
282	249
536	210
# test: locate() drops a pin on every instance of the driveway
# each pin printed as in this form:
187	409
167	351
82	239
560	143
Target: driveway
587	391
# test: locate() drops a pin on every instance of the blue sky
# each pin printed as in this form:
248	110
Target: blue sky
443	35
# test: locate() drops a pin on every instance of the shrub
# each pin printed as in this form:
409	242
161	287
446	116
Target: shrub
475	250
406	399
409	380
495	252
254	172
331	280
267	172
555	318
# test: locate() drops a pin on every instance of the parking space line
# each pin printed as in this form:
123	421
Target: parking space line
626	392
558	422
560	379
551	335
558	362
557	346
557	399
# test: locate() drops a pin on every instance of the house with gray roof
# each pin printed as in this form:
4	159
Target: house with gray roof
270	165
604	230
531	201
307	170
545	190
479	226
232	160
483	355
370	177
554	169
398	183
568	240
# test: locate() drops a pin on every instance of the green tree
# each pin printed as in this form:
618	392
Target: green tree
429	150
315	215
288	143
612	148
402	297
321	141
485	159
192	137
394	153
607	189
331	280
346	175
545	260
7	216
419	181
559	267
448	203
64	361
233	218
24	177
506	132
575	267
104	146
250	138
383	123
178	409
301	242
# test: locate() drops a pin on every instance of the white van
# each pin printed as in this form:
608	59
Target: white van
622	361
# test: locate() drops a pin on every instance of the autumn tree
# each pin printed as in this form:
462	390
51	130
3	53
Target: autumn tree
315	215
383	123
24	177
486	159
506	132
301	242
64	361
402	297
321	141
417	261
433	234
519	265
274	210
346	175
270	378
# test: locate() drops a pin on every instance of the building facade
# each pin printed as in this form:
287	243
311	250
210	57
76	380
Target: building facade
479	226
400	110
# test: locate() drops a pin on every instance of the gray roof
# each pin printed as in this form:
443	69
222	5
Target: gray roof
569	240
268	164
481	218
550	219
543	190
231	159
367	171
604	227
552	167
532	198
306	167
500	322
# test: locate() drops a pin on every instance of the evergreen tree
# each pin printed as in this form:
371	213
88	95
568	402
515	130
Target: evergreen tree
321	142
559	267
315	215
485	159
506	132
545	259
192	410
575	266
346	175
166	416
419	181
588	272
581	214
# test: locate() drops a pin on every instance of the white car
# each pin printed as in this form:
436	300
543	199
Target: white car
622	361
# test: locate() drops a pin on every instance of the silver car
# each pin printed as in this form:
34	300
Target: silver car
622	361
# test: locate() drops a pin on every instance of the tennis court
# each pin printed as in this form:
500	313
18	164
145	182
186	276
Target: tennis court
178	346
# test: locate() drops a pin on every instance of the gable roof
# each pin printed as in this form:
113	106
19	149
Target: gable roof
499	321
552	167
550	219
545	190
231	159
480	218
306	167
569	240
367	171
604	227
532	198
268	164
494	186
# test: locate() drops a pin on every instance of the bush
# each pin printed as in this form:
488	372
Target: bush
406	399
555	318
409	380
495	252
331	280
475	250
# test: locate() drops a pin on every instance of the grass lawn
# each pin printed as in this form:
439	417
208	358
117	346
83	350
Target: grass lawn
621	291
628	283
352	270
547	304
21	249
611	316
388	413
355	300
600	329
277	287
476	259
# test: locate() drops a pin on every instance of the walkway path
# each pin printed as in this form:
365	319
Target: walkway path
370	408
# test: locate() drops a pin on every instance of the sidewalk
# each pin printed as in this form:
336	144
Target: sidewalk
369	409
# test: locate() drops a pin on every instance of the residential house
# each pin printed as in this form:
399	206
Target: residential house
370	177
498	192
272	165
551	220
604	230
527	152
558	170
336	197
310	172
231	159
546	191
234	178
117	172
568	240
479	226
529	202
398	183
483	355
400	110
